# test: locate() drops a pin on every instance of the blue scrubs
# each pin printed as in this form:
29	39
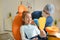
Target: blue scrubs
49	21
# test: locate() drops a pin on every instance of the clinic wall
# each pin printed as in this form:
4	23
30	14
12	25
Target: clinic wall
1	17
7	6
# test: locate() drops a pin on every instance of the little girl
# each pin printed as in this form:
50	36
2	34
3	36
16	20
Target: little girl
29	31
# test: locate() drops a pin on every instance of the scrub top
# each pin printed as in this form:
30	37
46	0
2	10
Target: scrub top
49	21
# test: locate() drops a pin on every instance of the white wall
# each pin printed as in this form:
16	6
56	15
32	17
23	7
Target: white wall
7	6
1	17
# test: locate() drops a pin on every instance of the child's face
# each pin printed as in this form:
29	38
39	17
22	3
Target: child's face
28	18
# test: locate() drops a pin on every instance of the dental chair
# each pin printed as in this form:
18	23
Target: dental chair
17	22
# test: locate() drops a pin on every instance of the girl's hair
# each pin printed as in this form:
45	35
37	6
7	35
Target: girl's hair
24	13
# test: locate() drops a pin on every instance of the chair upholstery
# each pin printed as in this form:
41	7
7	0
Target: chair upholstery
17	22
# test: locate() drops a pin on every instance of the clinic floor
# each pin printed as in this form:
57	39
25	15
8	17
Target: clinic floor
6	35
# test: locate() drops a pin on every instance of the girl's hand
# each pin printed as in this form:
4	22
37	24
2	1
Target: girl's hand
35	39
